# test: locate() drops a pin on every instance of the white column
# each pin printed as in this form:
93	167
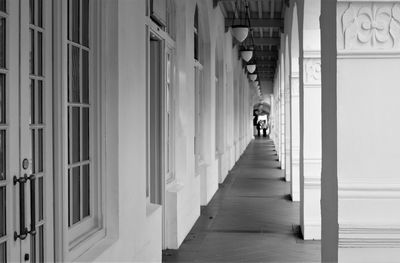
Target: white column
288	123
362	74
295	136
310	215
310	119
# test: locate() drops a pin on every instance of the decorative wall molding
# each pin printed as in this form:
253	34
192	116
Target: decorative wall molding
369	236
312	182
363	189
369	25
312	69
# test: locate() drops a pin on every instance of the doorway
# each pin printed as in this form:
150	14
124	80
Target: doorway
26	218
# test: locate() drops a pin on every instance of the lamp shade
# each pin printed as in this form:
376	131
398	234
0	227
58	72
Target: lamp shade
253	77
240	32
251	68
246	55
257	82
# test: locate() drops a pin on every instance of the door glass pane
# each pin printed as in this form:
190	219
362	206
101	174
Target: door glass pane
75	140
32	11
3	5
3	211
40	53
76	195
40	13
85	134
33	151
2	98
85	23
75	20
85	76
40	101
41	244
85	192
33	106
40	151
32	53
3	252
75	74
40	199
2	42
2	155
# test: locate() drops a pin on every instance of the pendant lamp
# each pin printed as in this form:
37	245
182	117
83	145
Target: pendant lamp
246	54
240	32
253	77
257	82
251	68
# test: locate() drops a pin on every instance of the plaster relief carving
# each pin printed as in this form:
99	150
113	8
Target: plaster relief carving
313	71
371	26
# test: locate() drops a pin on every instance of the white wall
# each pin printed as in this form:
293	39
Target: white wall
138	235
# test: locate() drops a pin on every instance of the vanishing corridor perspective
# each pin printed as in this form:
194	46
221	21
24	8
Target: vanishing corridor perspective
199	130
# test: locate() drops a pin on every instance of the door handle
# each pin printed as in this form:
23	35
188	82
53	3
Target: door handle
22	228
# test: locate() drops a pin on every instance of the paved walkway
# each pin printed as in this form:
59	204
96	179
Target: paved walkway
250	218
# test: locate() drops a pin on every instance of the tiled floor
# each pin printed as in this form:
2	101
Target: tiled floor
250	218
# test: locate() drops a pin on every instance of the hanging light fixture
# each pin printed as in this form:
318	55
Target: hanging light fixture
240	32
253	77
246	54
251	68
257	82
240	29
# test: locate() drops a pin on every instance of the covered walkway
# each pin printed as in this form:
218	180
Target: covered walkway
250	218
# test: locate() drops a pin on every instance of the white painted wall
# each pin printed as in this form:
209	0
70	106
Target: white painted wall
139	234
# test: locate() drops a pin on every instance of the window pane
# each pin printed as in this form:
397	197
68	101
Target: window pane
2	98
75	74
40	53
86	191
75	140
3	5
75	16
3	252
32	53
2	155
85	22
2	42
76	195
40	199
85	76
3	214
85	135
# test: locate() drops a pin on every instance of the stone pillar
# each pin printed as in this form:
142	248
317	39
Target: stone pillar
310	118
295	135
360	92
311	149
282	115
287	127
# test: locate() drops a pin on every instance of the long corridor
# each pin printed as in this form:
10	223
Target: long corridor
250	219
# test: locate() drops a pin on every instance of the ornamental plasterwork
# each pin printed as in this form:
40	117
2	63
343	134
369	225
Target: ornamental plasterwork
370	26
312	69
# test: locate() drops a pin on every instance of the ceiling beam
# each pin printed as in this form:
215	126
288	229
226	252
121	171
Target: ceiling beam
265	53
265	41
259	22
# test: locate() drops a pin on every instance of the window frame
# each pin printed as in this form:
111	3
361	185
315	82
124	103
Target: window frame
71	246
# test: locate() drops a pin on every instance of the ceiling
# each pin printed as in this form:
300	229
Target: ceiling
266	20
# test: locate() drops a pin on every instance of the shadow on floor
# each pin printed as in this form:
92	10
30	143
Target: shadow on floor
251	218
